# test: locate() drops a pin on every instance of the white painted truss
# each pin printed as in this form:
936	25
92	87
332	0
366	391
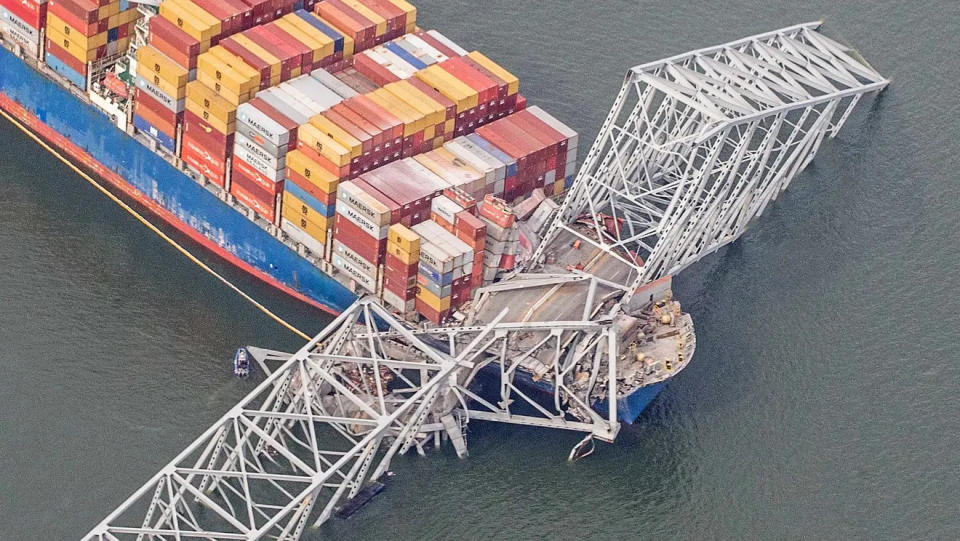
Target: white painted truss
333	415
328	420
694	147
697	145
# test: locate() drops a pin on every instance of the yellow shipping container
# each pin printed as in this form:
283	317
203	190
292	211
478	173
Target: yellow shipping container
433	111
348	43
410	22
212	104
299	163
225	128
513	83
292	205
72	48
80	41
319	48
261	53
433	301
152	63
231	96
248	74
404	238
404	256
338	134
445	83
413	120
315	230
323	144
370	15
325	40
191	19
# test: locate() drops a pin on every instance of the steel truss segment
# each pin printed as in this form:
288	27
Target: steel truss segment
696	145
310	433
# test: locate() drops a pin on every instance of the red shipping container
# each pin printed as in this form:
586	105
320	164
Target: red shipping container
169	32
195	159
252	195
215	159
432	315
358	240
67	58
396	17
205	133
270	187
82	11
377	134
399	287
346	20
289	58
285	40
497	211
161	124
250	59
472	228
28	11
370	69
143	100
304	184
338	171
486	88
366	139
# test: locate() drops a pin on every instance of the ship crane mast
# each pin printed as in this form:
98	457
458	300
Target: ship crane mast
694	147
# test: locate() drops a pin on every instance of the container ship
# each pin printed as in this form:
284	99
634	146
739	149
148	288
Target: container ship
332	149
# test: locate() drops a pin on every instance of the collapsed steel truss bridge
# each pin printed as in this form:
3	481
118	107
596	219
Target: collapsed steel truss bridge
694	147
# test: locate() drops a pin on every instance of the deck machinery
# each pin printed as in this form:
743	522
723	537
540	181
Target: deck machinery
695	147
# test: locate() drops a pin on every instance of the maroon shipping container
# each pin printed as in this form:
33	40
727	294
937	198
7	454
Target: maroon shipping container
143	99
170	33
385	120
396	210
377	134
228	13
284	39
289	58
486	88
250	59
207	135
358	240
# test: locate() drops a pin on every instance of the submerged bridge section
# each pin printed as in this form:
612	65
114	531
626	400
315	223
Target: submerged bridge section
698	144
695	146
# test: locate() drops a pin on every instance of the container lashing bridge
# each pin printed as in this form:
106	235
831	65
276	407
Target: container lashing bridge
694	147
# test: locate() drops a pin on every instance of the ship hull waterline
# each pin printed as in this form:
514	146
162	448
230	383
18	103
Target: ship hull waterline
134	173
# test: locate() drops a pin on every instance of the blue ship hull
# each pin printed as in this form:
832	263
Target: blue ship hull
148	173
221	226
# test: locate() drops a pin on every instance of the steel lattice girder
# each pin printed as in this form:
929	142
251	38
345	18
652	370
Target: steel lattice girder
698	144
307	435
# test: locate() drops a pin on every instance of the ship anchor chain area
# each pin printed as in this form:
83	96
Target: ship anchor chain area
581	338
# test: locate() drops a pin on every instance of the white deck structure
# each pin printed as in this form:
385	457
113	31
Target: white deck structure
694	147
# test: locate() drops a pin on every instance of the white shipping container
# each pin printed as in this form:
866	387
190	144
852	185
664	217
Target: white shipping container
357	218
364	281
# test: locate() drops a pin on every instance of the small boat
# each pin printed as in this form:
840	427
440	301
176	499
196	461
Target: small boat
241	363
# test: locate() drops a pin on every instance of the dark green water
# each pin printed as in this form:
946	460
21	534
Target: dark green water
824	400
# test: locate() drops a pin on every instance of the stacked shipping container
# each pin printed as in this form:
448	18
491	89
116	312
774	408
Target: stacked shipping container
373	161
21	21
82	31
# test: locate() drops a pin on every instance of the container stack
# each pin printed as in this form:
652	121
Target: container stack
21	22
539	144
160	96
445	267
502	237
223	82
472	231
369	22
400	266
263	138
82	31
294	99
493	170
363	218
455	171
